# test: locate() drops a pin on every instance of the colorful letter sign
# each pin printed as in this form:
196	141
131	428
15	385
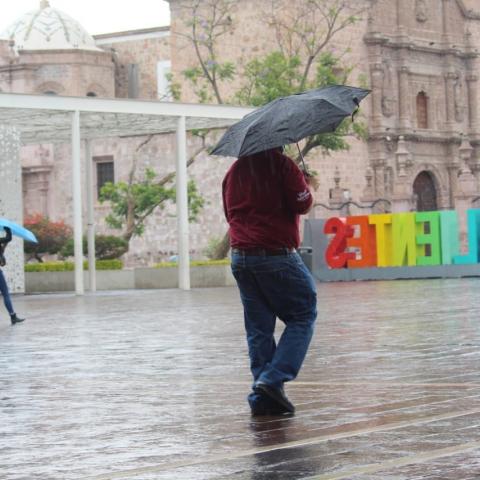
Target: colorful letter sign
401	239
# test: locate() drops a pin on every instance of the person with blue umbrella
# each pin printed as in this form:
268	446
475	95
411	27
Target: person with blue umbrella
4	241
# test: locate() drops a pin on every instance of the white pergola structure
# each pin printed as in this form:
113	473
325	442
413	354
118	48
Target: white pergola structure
56	119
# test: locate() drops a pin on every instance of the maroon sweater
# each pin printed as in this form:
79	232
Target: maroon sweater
263	197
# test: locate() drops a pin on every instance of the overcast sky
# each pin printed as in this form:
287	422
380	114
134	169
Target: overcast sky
96	16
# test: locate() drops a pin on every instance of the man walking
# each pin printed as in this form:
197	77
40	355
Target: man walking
263	196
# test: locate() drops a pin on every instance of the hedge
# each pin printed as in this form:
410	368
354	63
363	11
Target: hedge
70	266
195	263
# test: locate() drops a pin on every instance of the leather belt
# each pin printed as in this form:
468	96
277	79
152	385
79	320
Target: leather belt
262	252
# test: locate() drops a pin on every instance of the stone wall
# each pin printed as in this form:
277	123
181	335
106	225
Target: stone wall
251	37
145	53
398	48
76	73
11	204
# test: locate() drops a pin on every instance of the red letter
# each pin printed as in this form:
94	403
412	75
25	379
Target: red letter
335	254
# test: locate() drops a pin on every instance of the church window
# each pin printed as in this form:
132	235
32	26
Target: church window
422	110
163	80
133	81
105	171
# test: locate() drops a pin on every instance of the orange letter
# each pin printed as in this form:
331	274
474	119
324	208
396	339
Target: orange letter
365	243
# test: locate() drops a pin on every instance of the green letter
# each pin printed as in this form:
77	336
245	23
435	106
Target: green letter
404	246
432	238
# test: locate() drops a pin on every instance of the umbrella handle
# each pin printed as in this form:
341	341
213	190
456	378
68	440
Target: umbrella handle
303	160
357	103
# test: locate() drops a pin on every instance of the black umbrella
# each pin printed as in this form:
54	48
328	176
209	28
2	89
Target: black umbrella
289	119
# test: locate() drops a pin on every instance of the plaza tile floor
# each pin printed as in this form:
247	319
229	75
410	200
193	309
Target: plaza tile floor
151	385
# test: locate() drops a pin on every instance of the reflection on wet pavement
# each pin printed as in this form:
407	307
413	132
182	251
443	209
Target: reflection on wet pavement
152	385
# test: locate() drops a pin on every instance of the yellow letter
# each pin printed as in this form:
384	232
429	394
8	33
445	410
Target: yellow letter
383	229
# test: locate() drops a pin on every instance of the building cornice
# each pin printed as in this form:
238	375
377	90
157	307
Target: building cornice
468	12
439	137
132	35
415	45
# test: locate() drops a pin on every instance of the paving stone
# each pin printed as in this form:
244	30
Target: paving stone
153	384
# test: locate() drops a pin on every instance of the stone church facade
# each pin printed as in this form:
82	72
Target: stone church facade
420	58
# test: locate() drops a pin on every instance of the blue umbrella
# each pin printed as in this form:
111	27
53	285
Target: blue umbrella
18	230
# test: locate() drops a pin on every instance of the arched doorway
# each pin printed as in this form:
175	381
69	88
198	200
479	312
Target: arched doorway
425	192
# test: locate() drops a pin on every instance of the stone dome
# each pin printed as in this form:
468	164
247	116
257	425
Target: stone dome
48	29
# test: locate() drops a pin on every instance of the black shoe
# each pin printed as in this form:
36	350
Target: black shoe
16	319
276	394
271	411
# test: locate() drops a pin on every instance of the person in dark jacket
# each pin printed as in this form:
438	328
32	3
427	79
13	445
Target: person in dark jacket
4	241
263	196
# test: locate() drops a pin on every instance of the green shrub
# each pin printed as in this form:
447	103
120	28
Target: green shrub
70	266
49	267
113	264
212	247
107	247
195	263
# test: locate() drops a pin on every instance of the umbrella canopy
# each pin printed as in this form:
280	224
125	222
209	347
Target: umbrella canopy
289	119
18	230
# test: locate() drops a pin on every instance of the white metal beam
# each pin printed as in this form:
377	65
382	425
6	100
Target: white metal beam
56	119
92	273
108	105
77	203
182	207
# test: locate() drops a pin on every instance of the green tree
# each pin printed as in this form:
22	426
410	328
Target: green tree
207	21
134	200
303	59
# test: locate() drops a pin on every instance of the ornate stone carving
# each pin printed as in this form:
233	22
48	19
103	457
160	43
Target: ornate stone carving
459	98
421	13
388	99
48	29
403	157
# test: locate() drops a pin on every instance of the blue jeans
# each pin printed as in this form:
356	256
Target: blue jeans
274	287
6	294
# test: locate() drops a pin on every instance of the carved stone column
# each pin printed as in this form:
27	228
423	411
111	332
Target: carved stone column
337	197
466	187
452	166
450	79
402	155
377	84
402	18
404	98
402	193
466	180
472	86
446	21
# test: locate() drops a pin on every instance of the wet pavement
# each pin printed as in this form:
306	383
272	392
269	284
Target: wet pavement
151	385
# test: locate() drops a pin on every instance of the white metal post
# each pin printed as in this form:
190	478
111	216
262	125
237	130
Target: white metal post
92	274
77	203
182	207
